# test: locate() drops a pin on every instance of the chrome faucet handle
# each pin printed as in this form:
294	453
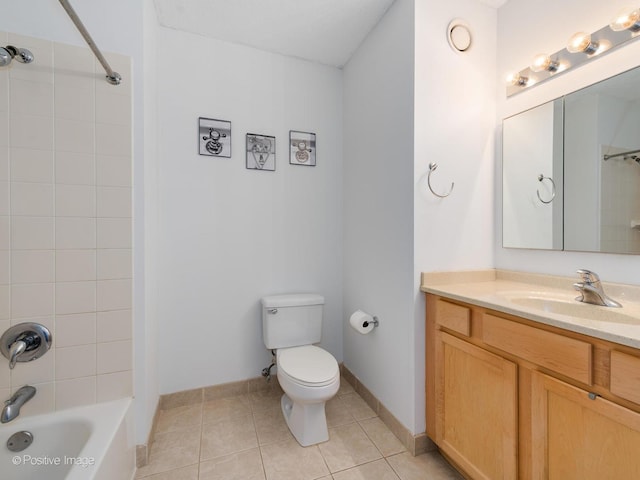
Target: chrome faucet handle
588	276
16	349
25	342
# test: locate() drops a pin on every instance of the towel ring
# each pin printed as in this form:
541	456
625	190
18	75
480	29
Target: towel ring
541	177
432	167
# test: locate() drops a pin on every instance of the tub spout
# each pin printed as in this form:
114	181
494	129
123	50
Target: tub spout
12	406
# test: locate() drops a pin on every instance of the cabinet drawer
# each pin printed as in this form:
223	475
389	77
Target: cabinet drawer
566	356
625	376
454	317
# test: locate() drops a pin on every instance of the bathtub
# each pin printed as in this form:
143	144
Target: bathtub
95	442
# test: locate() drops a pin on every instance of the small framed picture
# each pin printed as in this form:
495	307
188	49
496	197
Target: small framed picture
214	137
261	152
302	148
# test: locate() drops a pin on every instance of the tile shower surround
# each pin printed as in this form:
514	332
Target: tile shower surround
65	222
239	433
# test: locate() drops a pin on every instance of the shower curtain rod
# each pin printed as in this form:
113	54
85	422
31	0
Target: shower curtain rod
630	152
113	78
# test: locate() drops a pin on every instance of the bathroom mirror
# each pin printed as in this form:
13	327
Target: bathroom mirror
589	141
532	178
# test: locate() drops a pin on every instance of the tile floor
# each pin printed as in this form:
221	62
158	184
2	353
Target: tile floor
245	438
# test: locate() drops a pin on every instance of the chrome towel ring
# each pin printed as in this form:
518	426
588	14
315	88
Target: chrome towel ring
541	177
432	167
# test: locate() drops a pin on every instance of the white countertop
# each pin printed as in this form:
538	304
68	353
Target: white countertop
510	292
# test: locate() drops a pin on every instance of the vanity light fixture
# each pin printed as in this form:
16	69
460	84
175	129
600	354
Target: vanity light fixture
626	20
581	42
544	62
515	79
582	48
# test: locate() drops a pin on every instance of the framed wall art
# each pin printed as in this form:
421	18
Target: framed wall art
302	148
261	152
214	137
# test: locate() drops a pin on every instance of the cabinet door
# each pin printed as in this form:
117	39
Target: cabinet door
577	435
476	414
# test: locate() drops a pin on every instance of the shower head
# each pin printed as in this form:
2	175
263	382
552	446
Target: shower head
10	52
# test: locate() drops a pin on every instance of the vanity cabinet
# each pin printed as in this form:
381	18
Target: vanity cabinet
476	431
577	434
508	398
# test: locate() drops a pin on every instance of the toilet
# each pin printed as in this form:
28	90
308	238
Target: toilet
308	374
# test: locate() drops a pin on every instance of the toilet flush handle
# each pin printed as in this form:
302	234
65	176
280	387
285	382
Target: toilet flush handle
272	311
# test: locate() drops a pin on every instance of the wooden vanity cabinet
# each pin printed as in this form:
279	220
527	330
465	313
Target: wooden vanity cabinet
510	399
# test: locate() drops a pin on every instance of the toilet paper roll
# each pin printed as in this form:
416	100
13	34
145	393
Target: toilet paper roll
358	319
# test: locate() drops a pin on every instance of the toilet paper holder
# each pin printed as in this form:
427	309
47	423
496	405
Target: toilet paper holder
375	322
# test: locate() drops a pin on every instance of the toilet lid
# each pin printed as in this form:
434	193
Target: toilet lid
308	364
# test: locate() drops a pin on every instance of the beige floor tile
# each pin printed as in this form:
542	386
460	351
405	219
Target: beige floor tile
347	447
289	461
228	436
224	408
172	450
345	387
378	470
178	418
186	473
180	399
245	465
264	400
382	437
428	465
271	426
337	413
357	406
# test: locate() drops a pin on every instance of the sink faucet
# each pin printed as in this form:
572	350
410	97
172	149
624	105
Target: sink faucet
592	291
12	406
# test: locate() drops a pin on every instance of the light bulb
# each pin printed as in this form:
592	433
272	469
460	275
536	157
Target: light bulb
626	19
516	79
543	62
581	42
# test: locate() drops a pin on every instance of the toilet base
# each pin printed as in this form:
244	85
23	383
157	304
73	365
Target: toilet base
307	422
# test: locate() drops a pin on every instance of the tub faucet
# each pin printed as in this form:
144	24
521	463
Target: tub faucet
12	406
592	291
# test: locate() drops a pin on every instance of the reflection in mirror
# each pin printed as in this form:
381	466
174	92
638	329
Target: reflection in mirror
532	178
602	165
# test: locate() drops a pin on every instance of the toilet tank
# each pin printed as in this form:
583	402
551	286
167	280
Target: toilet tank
291	320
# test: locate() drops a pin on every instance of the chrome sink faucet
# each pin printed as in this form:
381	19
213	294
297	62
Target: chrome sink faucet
12	406
591	289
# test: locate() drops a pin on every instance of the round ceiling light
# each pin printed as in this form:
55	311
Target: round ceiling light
459	35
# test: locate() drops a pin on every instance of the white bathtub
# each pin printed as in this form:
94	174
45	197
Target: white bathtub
95	442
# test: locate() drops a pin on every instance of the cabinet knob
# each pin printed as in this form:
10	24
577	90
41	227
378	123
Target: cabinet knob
593	396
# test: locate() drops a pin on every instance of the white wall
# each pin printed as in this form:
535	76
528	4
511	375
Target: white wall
378	209
146	335
547	28
228	235
440	107
454	127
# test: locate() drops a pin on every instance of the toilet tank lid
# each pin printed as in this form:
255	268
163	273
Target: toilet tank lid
292	300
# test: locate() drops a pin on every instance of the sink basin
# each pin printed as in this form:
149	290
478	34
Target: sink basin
574	308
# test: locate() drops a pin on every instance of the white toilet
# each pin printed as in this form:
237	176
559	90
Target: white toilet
308	374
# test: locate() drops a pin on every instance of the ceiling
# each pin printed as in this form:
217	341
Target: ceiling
323	31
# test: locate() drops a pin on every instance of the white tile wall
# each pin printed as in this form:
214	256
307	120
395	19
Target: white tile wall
65	223
29	165
76	168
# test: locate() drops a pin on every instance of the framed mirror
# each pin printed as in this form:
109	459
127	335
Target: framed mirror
589	142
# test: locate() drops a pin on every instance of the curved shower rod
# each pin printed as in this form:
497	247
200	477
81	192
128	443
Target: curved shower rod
113	78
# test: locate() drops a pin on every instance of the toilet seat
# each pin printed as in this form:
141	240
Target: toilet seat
308	365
